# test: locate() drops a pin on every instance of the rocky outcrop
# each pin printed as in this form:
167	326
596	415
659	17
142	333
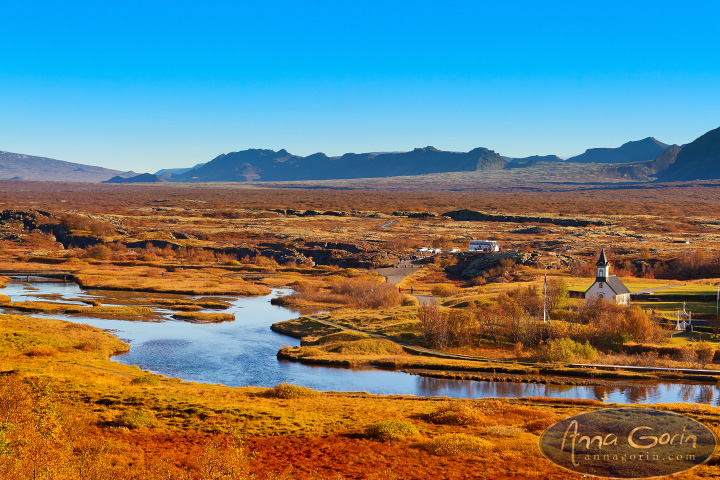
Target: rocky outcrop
421	215
474	265
331	213
32	220
466	215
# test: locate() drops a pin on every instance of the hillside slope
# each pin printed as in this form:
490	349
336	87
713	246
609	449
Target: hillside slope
631	152
698	160
17	166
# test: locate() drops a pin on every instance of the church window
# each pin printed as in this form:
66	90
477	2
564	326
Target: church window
600	284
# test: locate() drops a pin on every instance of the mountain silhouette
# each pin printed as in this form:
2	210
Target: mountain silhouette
269	165
698	160
630	152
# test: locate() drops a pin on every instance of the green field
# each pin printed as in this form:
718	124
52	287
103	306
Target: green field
634	285
670	309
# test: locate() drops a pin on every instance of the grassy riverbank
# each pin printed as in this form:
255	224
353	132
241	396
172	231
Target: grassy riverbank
122	421
388	339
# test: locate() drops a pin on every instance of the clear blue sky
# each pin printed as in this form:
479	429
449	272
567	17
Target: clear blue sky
145	85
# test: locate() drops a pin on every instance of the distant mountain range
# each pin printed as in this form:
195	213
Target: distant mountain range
142	178
631	152
169	172
269	165
641	160
16	166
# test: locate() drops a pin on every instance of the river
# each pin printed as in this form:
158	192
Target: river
242	353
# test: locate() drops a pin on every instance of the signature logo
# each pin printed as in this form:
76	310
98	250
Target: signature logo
628	443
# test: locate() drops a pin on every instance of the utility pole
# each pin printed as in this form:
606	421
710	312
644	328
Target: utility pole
544	298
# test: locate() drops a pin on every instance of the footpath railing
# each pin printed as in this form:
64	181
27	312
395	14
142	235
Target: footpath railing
57	274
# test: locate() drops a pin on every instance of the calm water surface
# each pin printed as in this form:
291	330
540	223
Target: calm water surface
243	353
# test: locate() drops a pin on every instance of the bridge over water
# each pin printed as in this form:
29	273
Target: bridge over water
27	274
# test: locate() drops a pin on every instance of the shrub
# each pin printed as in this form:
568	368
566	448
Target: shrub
88	346
391	430
434	326
705	353
368	294
41	352
4	299
311	352
407	301
98	252
149	380
457	444
455	413
503	431
444	290
369	346
137	419
287	391
565	350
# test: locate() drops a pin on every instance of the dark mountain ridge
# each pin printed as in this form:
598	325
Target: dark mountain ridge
269	165
631	152
698	160
142	178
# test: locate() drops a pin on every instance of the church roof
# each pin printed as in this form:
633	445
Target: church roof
617	285
602	261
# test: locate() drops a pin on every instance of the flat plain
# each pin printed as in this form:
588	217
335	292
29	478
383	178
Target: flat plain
76	414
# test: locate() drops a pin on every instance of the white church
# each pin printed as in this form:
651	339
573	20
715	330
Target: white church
607	286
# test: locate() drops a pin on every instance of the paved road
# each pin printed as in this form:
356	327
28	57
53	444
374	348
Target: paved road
396	275
426	299
650	290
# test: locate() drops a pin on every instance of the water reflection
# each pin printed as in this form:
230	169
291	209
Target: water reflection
243	353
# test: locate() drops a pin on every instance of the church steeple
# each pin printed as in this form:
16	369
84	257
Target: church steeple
603	268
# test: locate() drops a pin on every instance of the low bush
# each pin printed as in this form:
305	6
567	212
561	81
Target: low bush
369	346
444	290
564	350
368	293
391	430
288	391
409	301
88	346
147	380
41	352
457	444
455	413
4	299
503	431
705	353
137	419
311	352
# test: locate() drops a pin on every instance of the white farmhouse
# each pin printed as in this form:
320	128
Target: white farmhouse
607	286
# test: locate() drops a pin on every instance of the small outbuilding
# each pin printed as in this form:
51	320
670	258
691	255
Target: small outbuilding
607	286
